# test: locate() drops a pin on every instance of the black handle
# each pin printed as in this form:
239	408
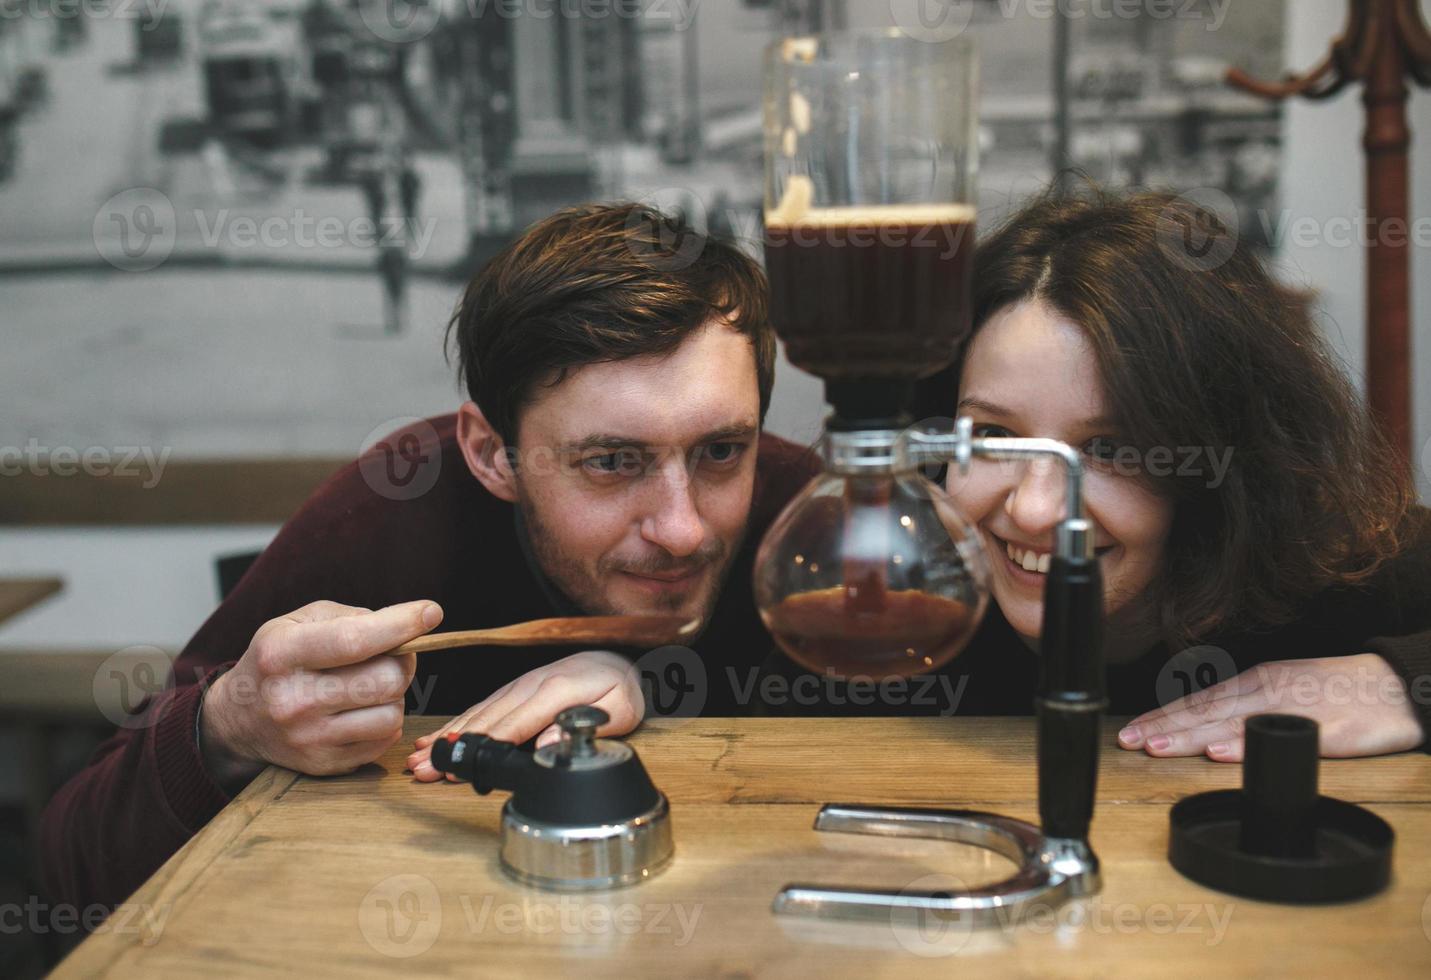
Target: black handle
563	794
484	762
1071	700
1279	784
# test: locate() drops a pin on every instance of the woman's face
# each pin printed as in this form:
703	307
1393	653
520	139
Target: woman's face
1031	372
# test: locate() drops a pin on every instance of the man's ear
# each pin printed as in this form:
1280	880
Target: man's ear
486	453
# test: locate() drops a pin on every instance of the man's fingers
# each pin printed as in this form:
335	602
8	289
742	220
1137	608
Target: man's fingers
346	758
323	609
377	681
555	694
484	716
463	721
373	723
419	762
321	644
420	765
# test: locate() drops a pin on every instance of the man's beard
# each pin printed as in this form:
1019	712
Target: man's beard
715	559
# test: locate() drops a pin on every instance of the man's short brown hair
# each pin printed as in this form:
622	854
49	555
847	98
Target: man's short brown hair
598	283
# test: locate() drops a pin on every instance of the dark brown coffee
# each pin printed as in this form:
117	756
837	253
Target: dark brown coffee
870	292
910	633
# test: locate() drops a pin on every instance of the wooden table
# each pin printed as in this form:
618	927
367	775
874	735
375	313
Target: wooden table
373	874
19	594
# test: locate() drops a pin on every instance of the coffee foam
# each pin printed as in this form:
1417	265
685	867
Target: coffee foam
794	209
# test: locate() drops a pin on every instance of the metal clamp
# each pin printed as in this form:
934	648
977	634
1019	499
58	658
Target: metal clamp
1051	870
1074	535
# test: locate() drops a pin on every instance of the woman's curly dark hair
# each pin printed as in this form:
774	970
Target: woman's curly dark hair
1199	346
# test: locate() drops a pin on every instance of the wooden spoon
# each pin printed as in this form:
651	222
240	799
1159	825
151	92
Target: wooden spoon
627	631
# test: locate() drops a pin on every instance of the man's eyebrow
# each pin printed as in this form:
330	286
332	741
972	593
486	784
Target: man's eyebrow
606	440
737	430
990	408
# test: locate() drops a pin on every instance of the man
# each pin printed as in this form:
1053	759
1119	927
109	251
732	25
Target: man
610	461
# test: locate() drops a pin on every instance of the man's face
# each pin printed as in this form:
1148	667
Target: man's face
635	477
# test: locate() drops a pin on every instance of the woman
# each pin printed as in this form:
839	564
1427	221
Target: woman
1243	505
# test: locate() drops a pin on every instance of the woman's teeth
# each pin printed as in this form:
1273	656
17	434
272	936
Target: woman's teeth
1029	561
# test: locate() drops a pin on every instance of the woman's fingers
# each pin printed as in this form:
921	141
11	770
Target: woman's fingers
1218	741
1358	703
1233	698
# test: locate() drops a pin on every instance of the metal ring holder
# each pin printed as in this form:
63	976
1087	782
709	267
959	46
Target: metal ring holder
1055	862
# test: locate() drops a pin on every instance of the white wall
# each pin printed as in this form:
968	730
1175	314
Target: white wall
1323	177
123	586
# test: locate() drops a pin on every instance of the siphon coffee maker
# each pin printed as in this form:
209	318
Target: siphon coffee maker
871	145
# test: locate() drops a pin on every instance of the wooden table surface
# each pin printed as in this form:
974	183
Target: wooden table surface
374	874
19	594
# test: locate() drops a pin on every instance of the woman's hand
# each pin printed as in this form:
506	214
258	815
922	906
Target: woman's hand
1359	702
530	704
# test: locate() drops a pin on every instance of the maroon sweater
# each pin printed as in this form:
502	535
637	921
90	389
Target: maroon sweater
146	791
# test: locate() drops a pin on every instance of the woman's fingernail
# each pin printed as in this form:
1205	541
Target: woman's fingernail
1130	735
422	768
1221	748
1159	742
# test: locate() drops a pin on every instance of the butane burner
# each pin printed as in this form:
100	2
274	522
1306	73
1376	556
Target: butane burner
584	814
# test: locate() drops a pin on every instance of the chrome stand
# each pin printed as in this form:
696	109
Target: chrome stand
1051	870
1055	862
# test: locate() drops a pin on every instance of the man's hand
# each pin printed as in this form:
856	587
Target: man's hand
530	703
313	692
1359	703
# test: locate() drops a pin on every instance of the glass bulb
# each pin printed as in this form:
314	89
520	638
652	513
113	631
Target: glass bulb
872	575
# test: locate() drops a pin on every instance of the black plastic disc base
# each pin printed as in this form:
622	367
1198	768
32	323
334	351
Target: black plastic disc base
1352	857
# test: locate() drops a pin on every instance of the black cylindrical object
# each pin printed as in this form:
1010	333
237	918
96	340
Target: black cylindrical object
1276	839
869	403
1279	781
481	760
1071	699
